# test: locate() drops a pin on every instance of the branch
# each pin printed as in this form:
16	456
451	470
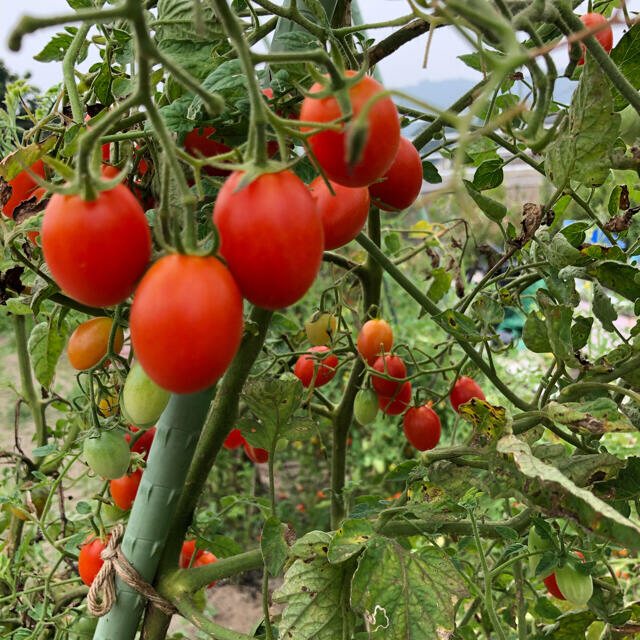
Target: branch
393	42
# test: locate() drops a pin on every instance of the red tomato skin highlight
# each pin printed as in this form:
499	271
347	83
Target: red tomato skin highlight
604	37
186	322
464	389
399	404
374	337
124	490
256	454
307	364
343	215
23	187
422	427
234	440
330	147
270	236
198	144
89	560
402	182
96	251
393	366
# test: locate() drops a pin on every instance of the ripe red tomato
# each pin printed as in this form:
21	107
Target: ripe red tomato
422	427
330	147
199	143
271	237
203	560
188	549
96	251
256	454
402	183
309	367
374	338
23	187
463	390
233	440
143	444
186	322
343	215
395	406
393	366
89	342
604	37
89	560
123	490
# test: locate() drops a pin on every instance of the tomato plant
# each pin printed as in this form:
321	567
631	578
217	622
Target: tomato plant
311	368
89	342
401	184
382	134
185	341
344	212
422	427
374	338
123	490
278	206
96	251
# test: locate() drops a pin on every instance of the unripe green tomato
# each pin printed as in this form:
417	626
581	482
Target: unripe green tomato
143	401
320	328
107	454
576	587
365	406
538	543
629	125
82	628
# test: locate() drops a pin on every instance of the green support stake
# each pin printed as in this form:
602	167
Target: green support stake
175	441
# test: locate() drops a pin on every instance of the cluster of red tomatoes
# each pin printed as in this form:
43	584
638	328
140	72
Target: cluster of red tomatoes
273	232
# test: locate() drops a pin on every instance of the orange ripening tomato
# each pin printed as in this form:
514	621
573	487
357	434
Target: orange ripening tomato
96	251
343	214
23	187
374	338
199	143
256	454
89	560
186	322
330	147
270	236
394	406
124	490
89	342
401	184
464	389
233	440
604	36
203	560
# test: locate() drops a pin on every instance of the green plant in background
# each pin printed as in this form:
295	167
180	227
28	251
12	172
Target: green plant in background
221	220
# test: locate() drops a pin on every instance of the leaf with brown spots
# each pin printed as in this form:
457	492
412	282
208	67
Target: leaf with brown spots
590	418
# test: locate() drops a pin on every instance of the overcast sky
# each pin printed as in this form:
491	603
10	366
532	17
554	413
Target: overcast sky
402	69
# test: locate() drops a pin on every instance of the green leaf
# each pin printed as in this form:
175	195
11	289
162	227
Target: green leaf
223	546
562	253
580	331
534	334
569	626
508	533
406	594
315	592
582	149
488	310
592	512
392	242
575	232
440	285
349	539
489	422
18	161
45	346
491	208
603	309
102	85
273	545
430	173
626	55
458	325
83	507
18	308
617	277
590	418
175	115
45	450
56	48
488	175
614	200
558	320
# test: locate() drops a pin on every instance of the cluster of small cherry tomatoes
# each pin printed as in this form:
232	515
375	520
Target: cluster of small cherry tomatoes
391	391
